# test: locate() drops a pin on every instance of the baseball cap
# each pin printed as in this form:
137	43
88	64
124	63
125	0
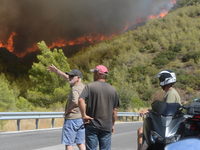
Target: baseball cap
75	72
101	69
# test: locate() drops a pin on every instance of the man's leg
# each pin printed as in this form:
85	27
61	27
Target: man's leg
80	135
68	147
139	137
68	134
104	140
91	139
81	146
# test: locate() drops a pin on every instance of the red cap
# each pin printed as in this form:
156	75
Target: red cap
101	69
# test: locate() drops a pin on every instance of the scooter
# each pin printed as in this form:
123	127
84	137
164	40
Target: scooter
163	124
192	123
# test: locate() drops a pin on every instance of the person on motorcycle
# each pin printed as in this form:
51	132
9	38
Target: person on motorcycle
167	78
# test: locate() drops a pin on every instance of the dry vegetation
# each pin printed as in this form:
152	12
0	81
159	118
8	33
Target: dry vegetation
29	124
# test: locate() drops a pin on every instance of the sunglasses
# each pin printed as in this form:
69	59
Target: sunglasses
71	76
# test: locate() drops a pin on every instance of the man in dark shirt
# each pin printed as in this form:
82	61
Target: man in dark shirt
101	110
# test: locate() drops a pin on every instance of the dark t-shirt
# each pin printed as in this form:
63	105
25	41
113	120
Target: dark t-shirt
101	98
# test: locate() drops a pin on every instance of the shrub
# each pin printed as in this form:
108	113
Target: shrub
164	58
189	90
192	54
158	95
187	79
176	48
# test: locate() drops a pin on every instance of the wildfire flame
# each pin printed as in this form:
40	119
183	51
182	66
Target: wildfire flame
9	44
91	39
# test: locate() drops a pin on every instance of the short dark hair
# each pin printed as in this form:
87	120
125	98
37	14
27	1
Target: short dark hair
170	85
102	76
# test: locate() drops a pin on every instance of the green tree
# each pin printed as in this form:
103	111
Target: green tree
22	104
7	96
50	88
128	96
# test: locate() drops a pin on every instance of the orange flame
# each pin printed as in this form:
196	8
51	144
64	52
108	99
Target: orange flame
162	14
128	25
92	38
9	44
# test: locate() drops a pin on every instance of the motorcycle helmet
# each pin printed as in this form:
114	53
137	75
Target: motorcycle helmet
166	77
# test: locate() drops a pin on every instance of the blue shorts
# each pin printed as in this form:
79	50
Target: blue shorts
73	132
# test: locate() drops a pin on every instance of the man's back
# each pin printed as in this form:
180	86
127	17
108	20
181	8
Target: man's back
101	99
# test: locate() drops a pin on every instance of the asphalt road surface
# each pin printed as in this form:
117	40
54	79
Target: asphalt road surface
124	138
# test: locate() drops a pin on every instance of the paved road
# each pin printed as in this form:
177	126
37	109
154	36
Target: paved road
125	138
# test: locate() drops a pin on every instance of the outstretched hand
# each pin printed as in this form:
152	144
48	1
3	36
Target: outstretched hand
86	119
51	68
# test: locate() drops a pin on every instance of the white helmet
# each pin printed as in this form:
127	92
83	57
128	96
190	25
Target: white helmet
166	77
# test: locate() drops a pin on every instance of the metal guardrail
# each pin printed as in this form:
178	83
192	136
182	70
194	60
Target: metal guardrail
128	114
44	115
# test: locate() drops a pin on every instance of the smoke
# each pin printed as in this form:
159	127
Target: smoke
36	20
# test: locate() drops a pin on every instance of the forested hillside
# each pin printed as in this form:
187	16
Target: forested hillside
135	57
133	60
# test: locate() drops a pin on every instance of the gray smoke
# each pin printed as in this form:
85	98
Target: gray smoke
36	20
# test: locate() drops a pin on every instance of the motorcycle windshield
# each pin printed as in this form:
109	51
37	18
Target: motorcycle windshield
166	120
166	109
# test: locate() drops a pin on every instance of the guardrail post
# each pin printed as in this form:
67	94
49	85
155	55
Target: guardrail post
126	118
132	118
137	118
18	124
119	118
36	123
52	123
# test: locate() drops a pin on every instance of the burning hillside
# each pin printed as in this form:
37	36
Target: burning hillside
67	22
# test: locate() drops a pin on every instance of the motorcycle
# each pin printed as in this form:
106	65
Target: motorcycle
163	124
192	123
